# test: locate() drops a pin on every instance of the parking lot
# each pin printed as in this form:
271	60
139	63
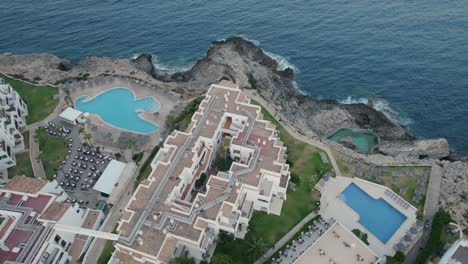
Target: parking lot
81	168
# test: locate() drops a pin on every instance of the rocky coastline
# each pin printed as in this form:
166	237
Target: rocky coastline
242	62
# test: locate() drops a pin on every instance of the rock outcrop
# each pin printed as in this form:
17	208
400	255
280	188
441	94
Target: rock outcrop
454	191
422	149
247	65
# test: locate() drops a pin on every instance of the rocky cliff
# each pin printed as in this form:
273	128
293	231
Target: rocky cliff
247	65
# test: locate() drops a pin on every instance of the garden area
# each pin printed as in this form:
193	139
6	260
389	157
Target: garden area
53	151
23	166
39	98
265	230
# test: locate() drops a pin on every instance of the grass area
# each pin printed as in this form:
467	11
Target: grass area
107	251
307	165
38	98
53	151
145	169
435	243
406	180
23	166
182	120
26	139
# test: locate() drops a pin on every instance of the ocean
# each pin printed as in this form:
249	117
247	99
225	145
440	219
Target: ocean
409	56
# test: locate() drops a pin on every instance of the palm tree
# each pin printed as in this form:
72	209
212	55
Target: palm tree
87	137
129	144
257	246
81	130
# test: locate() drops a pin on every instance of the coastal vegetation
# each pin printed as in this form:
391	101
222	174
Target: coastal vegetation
306	166
145	168
361	235
23	166
182	120
108	249
39	98
53	151
435	243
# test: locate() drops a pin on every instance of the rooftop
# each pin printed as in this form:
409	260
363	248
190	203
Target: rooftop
25	184
337	245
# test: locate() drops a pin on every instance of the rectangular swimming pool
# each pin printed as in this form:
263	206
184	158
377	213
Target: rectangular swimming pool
376	215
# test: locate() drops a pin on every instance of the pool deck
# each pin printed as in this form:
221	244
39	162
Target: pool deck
91	88
333	207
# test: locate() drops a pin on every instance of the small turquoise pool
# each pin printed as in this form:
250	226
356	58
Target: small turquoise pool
377	216
363	141
119	108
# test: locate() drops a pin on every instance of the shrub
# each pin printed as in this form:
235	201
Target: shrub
118	155
200	181
434	244
137	157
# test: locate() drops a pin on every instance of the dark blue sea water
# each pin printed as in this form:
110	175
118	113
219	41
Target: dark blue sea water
414	54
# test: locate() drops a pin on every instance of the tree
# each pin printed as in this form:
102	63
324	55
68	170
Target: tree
129	144
221	259
398	258
81	130
87	137
184	260
257	247
39	131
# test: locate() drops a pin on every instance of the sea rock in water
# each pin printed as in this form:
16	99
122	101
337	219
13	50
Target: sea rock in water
429	148
348	142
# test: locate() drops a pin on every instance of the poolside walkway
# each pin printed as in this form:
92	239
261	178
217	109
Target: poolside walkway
430	208
285	239
293	132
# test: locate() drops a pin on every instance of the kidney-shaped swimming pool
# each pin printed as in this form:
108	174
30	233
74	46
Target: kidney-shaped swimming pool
119	108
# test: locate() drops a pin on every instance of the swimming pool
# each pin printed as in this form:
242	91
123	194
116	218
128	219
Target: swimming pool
376	215
364	141
118	107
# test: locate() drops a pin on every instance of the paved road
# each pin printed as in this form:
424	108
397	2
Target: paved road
286	238
430	208
293	132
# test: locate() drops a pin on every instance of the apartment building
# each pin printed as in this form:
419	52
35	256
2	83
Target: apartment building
169	216
30	210
13	112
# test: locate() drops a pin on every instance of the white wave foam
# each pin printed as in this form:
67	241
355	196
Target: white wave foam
283	63
165	68
380	105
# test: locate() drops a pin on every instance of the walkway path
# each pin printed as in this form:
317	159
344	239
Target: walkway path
36	164
430	208
293	132
114	215
285	239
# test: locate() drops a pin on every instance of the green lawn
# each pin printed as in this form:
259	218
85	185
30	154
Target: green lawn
26	139
38	98
306	164
53	151
23	166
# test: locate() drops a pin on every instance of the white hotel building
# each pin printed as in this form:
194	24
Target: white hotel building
13	112
167	218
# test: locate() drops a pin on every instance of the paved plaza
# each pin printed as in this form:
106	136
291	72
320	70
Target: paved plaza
81	168
304	241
